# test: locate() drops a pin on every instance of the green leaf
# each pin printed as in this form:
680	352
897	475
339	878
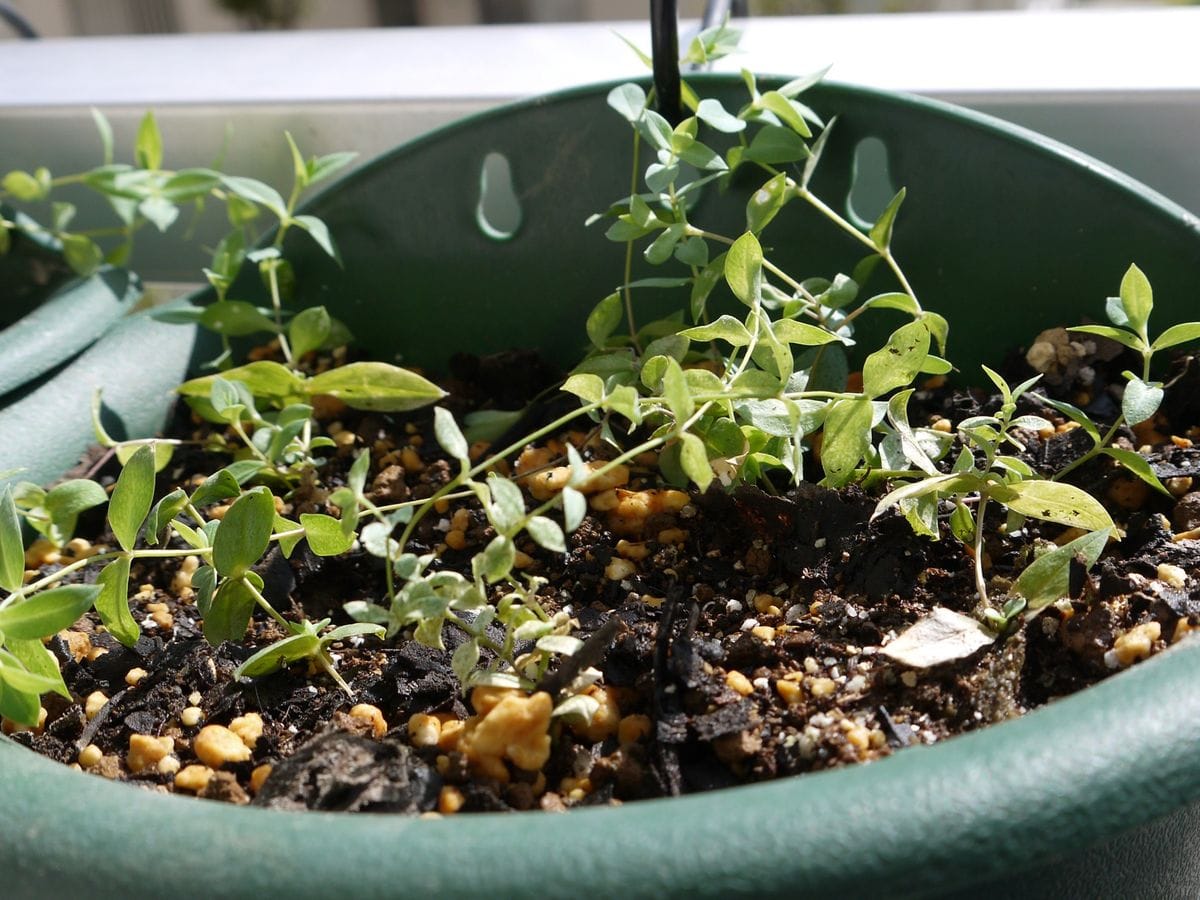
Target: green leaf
220	485
1137	298
894	300
1074	413
12	552
274	657
148	150
38	660
325	535
1047	578
229	613
81	253
204	582
464	660
726	328
712	113
1141	399
256	192
1177	334
675	392
1136	463
104	129
792	332
160	211
113	601
629	100
449	436
881	232
23	186
899	361
15	675
847	439
189	185
765	203
497	558
266	380
604	319
324	166
1120	335
547	533
587	387
693	459
1053	501
319	232
244	533
47	612
775	145
161	514
64	502
663	246
132	496
236	318
786	111
743	269
376	387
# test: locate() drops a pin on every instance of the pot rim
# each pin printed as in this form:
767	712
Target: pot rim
993	799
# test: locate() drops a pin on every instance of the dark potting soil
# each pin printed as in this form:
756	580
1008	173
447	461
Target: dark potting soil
738	634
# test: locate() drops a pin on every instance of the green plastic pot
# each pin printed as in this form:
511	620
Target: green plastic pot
1004	232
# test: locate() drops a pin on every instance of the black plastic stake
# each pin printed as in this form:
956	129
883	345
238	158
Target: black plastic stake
664	48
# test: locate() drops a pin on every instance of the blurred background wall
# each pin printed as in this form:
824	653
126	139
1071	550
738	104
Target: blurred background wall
62	18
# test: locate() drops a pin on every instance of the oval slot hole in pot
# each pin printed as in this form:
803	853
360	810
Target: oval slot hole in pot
871	186
498	212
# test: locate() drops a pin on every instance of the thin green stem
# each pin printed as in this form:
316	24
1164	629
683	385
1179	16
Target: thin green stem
266	606
277	303
847	226
980	584
626	289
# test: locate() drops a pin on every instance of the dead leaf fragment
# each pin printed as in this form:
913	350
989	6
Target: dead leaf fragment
942	636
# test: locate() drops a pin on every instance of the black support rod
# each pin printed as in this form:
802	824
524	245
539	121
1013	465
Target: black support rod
664	48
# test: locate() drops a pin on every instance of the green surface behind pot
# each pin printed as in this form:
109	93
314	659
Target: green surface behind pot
996	220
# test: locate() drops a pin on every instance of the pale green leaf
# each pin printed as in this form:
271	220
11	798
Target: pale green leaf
508	503
1047	578
847	439
792	332
132	496
726	328
881	232
148	149
325	534
899	361
47	612
1137	298
604	319
1141	399
1176	335
12	547
449	436
244	533
1053	501
113	601
1136	463
376	386
547	533
743	269
693	459
1120	335
309	330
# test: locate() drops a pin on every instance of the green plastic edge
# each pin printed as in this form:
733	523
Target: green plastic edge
72	318
986	806
983	808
